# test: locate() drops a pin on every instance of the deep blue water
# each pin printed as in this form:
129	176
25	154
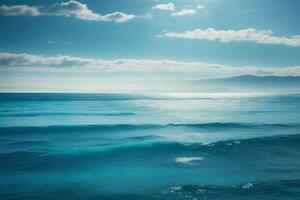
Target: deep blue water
171	146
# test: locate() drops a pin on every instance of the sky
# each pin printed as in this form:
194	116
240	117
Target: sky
109	45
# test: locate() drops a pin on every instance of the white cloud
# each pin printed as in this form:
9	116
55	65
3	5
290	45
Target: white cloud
29	62
117	17
250	35
200	7
189	10
184	11
166	6
81	11
19	10
68	9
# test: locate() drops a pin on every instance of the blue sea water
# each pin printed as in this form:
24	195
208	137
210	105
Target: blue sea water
154	146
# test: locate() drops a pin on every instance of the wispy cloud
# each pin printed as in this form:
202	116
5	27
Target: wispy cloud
19	10
200	7
69	9
29	62
184	11
166	6
250	35
188	11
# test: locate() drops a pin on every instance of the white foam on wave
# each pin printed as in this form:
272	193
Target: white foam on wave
176	188
247	186
187	160
189	138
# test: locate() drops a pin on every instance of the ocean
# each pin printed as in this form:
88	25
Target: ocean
150	146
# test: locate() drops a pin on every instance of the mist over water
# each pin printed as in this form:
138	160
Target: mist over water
153	146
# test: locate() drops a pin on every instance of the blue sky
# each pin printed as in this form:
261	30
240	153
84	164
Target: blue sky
147	38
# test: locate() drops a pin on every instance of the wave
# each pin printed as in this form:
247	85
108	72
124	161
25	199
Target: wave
277	189
252	144
67	97
127	127
262	148
234	125
66	114
74	128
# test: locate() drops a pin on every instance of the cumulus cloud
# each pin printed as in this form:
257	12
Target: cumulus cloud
81	11
184	11
250	35
19	10
188	10
29	62
166	6
69	9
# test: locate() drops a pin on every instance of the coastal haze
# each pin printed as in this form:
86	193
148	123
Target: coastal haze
236	84
152	99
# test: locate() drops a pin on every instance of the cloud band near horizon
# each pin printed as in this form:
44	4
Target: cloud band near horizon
247	35
30	62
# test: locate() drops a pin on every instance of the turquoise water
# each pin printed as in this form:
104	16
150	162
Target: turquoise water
158	146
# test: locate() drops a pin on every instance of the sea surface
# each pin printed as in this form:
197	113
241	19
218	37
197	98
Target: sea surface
150	146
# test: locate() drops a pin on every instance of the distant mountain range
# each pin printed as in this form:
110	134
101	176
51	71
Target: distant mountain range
251	82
